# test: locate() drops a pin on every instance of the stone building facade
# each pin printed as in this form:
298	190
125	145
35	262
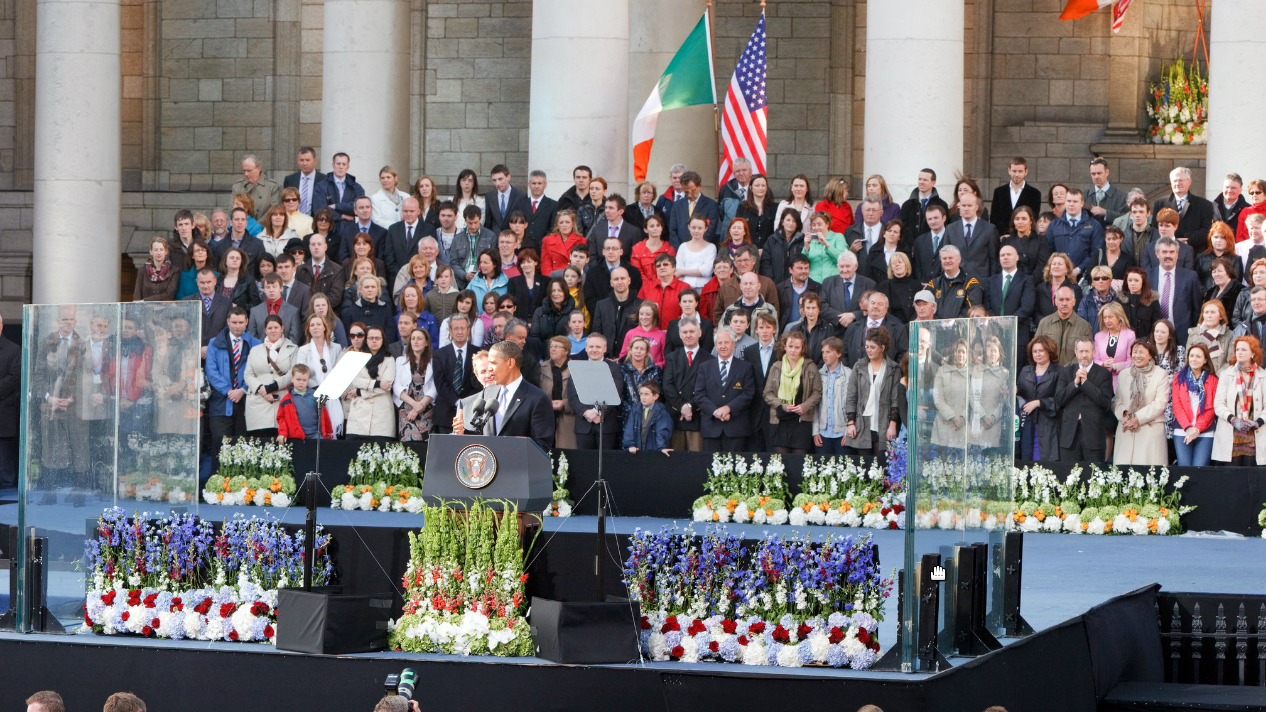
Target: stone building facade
206	81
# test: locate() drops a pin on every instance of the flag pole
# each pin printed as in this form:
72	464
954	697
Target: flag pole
716	114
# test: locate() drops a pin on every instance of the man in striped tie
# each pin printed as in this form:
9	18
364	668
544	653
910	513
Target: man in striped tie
226	373
725	390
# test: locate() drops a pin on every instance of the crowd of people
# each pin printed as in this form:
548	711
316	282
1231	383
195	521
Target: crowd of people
743	322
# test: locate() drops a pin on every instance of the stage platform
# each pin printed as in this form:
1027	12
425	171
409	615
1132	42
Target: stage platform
1065	576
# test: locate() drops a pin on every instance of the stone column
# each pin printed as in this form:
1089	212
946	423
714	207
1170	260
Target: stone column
78	140
686	135
573	119
365	89
914	92
1236	48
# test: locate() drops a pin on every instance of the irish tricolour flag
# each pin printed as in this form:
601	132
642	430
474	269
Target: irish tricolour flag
686	82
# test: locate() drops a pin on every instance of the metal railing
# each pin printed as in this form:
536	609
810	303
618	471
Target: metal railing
1204	646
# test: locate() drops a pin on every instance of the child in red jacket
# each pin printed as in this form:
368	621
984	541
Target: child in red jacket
297	411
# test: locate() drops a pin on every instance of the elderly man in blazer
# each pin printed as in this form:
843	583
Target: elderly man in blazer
1012	194
1195	214
1083	396
725	390
401	241
215	306
589	434
975	238
503	199
841	292
451	382
1179	289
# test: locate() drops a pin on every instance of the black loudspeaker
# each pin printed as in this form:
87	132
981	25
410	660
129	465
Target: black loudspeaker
586	632
323	622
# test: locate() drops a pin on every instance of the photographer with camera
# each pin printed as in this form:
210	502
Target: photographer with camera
399	693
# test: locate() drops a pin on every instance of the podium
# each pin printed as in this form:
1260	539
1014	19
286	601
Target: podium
464	468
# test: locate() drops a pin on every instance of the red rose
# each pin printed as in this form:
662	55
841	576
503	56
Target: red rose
885	511
108	598
87	620
898	508
147	631
150	600
803	631
892	525
757	628
729	626
873	645
836	636
714	646
126	615
677	651
232	635
227	609
646	623
155	623
268	631
742	640
782	635
863	635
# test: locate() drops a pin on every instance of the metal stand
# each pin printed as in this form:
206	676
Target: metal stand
971	636
930	657
1013	624
38	619
310	482
9	560
599	568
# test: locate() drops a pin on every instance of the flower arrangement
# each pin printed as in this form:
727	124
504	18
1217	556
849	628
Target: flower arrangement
465	588
254	472
562	505
1179	106
1261	520
384	478
743	493
785	601
841	491
1109	501
171	578
150	463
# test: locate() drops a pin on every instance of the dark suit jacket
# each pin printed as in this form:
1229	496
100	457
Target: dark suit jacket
1090	403
1000	210
1193	222
1229	215
1187	299
1113	202
787	296
325	195
924	259
397	251
679	386
212	323
760	411
251	245
291	321
1021	300
679	220
517	200
598	280
292	181
331	283
11	386
980	258
347	230
529	414
739	393
913	214
300	297
446	397
630	235
541	223
611	420
833	296
855	339
612	322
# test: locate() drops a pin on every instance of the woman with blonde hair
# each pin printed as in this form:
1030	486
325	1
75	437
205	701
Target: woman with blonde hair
1114	339
555	376
388	200
159	279
297	220
638	368
878	187
276	234
1058	273
1101	294
1213	332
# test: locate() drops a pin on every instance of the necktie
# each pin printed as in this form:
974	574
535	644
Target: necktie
848	294
1098	195
206	305
872	324
408	234
967	233
534	204
1073	222
316	273
936	244
502	398
305	195
458	373
1180	203
613	230
742	192
690	358
237	358
1166	290
1006	287
503	205
285	293
924	203
692	208
725	372
364	228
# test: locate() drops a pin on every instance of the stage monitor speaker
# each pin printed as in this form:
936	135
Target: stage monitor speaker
585	632
323	622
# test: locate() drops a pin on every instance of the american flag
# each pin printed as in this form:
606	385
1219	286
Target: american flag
1118	14
746	111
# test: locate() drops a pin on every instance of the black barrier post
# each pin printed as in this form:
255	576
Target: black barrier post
37	586
1013	623
970	636
929	593
9	559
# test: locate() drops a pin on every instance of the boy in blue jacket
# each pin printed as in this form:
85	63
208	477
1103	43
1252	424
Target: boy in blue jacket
649	427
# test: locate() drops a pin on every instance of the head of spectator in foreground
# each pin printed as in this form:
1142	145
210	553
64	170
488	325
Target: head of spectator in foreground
124	702
45	701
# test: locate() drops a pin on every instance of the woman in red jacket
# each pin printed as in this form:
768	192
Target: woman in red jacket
835	202
556	247
1194	389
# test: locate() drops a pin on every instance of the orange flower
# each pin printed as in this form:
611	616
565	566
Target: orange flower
348	488
763	500
1107	526
1164	511
716	516
219	497
373	503
1151	525
1040	515
226	485
769	512
1020	516
1085	526
391	489
844	507
824	506
268	498
806	507
1059	512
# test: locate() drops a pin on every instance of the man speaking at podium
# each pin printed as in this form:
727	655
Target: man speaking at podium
522	409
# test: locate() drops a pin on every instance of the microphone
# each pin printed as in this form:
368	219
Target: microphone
478	407
490	409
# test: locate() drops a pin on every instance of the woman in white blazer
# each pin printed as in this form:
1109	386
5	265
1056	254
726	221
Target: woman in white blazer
319	353
371	414
1240	405
267	375
1139	405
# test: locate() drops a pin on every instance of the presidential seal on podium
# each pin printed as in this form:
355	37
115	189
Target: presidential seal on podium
476	466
